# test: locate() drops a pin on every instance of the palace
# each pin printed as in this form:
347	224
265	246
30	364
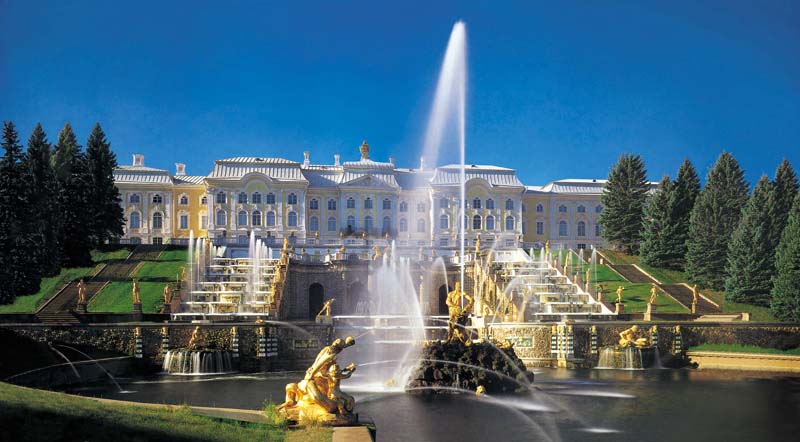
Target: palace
348	202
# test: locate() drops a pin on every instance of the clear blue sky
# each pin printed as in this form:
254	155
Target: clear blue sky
554	92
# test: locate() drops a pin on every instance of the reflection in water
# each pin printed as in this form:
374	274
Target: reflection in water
602	405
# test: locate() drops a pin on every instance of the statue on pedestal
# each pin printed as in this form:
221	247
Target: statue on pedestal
135	292
653	294
167	294
620	289
325	312
458	314
81	292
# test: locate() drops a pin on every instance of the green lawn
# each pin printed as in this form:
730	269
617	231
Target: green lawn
738	348
757	314
29	414
153	275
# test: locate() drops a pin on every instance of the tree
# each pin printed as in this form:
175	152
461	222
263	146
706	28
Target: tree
624	197
661	246
784	190
106	211
715	215
74	190
785	303
686	190
45	221
750	255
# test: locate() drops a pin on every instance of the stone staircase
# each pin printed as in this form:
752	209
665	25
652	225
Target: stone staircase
683	294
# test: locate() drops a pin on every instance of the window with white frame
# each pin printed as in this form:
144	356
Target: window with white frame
490	222
476	222
403	225
221	217
291	199
368	203
242	218
203	200
562	209
476	203
444	203
291	220
598	209
331	204
351	203
420	207
490	204
581	228
184	200
313	224
539	208
256	198
368	223
158	220
562	228
242	198
134	198
313	204
581	209
444	222
135	220
331	224
403	206
157	199
387	204
256	218
510	223
270	198
509	204
597	230
351	222
539	227
183	222
270	219
387	225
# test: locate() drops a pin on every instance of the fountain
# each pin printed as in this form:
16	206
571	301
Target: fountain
198	358
634	352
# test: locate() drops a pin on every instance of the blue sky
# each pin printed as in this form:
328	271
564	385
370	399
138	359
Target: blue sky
554	91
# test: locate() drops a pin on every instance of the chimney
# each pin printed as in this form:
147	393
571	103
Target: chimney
421	163
391	160
336	159
180	169
138	159
306	158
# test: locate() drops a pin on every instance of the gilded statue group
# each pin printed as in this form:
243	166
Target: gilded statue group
318	396
459	314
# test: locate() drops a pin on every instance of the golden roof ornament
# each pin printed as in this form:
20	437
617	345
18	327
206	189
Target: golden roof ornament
364	149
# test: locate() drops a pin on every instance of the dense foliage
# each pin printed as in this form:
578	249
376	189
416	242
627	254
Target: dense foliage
786	290
624	198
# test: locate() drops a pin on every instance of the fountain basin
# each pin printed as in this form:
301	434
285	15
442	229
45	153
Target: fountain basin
196	362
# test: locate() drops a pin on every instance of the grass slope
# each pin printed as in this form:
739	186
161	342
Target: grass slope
738	348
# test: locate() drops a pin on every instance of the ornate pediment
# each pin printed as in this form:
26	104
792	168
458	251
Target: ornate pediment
368	181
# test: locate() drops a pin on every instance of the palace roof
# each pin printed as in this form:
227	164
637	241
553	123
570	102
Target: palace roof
496	176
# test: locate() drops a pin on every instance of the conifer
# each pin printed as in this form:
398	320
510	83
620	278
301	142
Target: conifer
785	303
106	211
661	246
686	189
45	220
624	197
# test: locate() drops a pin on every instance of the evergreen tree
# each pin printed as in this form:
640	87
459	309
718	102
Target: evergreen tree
74	190
686	190
43	187
750	255
784	190
661	246
106	211
715	215
786	290
624	197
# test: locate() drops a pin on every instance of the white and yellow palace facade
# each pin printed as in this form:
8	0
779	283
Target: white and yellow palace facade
354	202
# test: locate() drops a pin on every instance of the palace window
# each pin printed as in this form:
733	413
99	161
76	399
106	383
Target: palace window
368	203
221	198
158	220
203	200
368	224
403	206
420	207
256	197
510	223
509	204
539	228
562	209
444	203
331	204
135	199
331	224
597	230
135	220
403	225
476	203
313	224
242	218
184	200
351	222
490	204
270	219
270	198
242	198
581	228
539	208
598	209
387	225
203	221
581	209
291	199
476	222
490	222
221	217
291	220
562	228
184	222
387	204
313	204
443	242
257	218
157	199
351	203
444	222
421	225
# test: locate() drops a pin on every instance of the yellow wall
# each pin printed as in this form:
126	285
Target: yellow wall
194	209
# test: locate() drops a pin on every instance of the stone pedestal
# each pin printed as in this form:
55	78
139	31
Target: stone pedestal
137	311
81	308
620	308
694	308
167	309
651	308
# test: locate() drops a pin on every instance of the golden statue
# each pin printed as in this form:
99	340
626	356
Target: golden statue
167	294
695	296
135	291
478	246
653	294
183	273
547	247
480	391
620	289
458	314
195	341
318	396
630	337
376	253
81	292
285	244
599	292
325	312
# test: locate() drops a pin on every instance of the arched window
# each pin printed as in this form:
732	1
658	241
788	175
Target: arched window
509	204
509	223
313	204
476	203
368	203
203	200
444	222
444	203
221	198
562	228
313	224
221	217
490	222
562	209
403	225
597	230
421	225
331	204
351	222
581	228
368	224
135	198
291	199
270	198
331	224
387	204
256	217
420	207
158	220
539	208
291	220
256	197
135	220
242	221
403	206
598	209
490	204
270	218
476	222
242	198
351	203
581	209
387	225
157	199
184	200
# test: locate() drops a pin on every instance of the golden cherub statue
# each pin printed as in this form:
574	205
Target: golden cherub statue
458	314
630	337
653	294
135	292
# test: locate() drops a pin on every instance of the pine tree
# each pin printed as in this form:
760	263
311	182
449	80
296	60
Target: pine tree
715	215
661	247
624	197
785	303
784	190
686	190
74	189
107	215
750	256
43	195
